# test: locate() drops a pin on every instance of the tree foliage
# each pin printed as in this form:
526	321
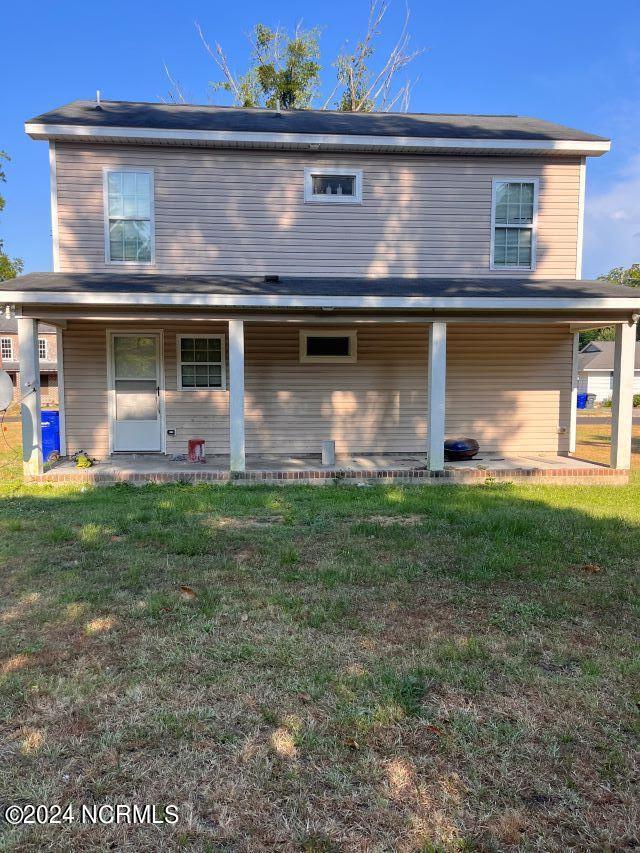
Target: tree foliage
626	276
619	275
9	267
361	87
284	70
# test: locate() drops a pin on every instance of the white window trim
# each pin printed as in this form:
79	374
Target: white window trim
152	220
223	362
534	225
7	357
46	349
352	334
309	196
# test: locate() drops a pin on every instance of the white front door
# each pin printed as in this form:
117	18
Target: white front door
135	408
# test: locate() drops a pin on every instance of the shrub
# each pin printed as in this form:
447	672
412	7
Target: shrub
636	401
606	404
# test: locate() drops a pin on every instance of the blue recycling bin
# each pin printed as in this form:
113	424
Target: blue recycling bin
50	426
582	401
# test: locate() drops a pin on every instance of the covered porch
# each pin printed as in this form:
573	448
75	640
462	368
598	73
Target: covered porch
409	370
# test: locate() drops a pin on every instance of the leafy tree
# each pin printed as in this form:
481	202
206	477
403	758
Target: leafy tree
284	69
9	267
365	89
618	275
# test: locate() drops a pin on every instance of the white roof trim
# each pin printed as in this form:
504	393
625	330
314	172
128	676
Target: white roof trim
319	301
347	140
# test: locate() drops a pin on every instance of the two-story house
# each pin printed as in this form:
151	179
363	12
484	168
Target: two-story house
47	359
268	281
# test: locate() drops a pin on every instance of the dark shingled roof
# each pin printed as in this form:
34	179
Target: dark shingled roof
235	119
9	326
598	355
225	285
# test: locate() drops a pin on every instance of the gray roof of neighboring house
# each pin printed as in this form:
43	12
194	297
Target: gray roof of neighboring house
10	326
227	285
598	355
131	114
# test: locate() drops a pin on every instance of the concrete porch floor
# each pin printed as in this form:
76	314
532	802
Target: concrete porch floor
272	468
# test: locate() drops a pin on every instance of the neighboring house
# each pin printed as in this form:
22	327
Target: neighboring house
269	280
47	357
595	370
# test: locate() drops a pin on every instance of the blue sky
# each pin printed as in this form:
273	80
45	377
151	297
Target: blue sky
572	61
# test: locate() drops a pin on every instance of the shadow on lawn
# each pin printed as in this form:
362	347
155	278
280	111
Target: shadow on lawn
491	532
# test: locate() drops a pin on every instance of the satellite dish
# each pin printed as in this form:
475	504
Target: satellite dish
6	390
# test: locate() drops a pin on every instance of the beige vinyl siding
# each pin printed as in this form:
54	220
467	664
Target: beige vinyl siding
507	386
376	404
243	212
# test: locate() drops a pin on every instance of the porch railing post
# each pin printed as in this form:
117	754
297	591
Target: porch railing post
622	398
236	396
437	373
573	414
30	406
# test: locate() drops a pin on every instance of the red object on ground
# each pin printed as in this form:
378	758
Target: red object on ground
196	450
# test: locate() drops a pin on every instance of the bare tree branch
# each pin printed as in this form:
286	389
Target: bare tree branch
220	60
365	90
176	94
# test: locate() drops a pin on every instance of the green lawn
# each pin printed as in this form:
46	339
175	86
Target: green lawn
323	669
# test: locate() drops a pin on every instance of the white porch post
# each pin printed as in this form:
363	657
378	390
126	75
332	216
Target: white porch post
30	396
573	415
436	394
622	398
236	395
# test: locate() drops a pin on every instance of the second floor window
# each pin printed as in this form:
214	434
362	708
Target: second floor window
129	215
514	214
6	349
42	349
333	185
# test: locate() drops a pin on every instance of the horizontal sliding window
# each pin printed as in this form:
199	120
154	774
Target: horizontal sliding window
333	186
514	214
129	216
328	346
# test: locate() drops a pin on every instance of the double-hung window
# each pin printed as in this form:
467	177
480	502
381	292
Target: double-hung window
6	349
513	223
201	362
42	349
129	216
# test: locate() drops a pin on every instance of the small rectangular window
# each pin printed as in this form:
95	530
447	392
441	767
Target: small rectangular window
333	185
6	349
42	349
328	346
513	223
129	216
201	362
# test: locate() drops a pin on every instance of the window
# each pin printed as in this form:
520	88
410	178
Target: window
6	349
333	185
42	349
201	362
129	217
514	213
328	346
